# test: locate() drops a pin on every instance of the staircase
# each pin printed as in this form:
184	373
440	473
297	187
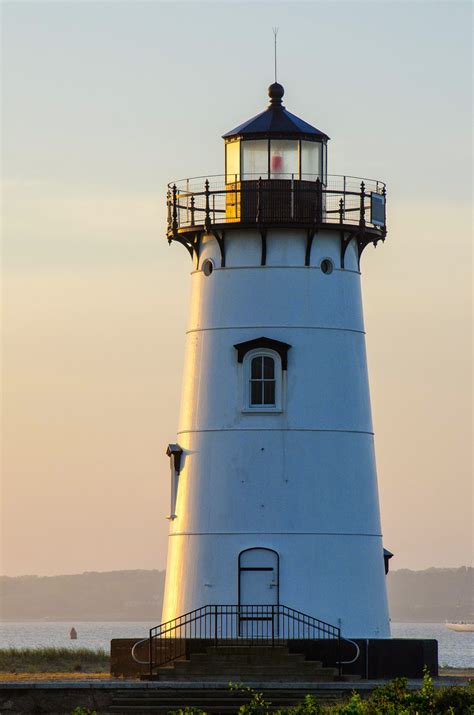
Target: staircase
245	663
235	637
216	701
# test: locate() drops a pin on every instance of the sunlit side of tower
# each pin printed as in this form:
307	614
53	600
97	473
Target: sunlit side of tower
274	489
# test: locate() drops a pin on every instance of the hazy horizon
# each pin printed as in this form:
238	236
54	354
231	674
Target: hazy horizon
103	104
93	571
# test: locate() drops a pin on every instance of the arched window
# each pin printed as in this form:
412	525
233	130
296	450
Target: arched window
262	381
264	363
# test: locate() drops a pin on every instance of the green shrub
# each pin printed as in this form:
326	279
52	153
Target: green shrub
455	700
308	706
355	706
257	704
393	697
424	699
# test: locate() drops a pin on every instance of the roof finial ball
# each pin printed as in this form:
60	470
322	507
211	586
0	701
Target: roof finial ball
275	92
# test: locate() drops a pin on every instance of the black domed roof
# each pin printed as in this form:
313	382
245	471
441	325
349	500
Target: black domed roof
276	121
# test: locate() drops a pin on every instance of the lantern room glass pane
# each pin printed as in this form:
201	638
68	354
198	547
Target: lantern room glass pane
310	160
232	162
255	159
284	159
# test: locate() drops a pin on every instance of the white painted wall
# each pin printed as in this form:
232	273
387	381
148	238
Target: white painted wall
303	481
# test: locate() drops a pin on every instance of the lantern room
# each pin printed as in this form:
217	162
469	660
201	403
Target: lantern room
275	145
276	174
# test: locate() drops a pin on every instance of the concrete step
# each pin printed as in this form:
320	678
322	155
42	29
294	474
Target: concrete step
215	659
246	663
260	673
192	702
262	650
222	692
218	701
204	666
283	677
139	709
165	709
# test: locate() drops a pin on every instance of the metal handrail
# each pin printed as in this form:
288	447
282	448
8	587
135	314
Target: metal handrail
135	645
199	204
222	177
234	624
356	657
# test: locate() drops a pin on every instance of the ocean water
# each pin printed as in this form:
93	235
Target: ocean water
455	649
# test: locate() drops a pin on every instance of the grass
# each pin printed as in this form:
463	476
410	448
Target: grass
48	677
53	660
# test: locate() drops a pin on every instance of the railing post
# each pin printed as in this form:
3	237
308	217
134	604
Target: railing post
273	626
259	200
192	210
319	201
215	625
344	193
175	211
384	194
339	664
207	220
187	201
362	205
150	652
341	210
235	197
168	204
292	198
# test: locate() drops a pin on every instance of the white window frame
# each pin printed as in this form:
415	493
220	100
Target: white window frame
246	375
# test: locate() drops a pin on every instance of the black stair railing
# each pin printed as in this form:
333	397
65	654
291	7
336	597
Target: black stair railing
223	625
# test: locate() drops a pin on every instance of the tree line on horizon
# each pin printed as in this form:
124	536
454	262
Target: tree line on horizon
432	595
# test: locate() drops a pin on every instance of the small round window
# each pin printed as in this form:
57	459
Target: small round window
207	267
327	266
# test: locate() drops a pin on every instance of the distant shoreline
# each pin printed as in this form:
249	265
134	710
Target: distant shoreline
433	595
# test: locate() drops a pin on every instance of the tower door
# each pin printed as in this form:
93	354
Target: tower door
258	591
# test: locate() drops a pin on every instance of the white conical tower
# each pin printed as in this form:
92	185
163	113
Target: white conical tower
274	487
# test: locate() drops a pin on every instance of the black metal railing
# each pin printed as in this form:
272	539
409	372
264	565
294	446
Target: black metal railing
201	203
223	625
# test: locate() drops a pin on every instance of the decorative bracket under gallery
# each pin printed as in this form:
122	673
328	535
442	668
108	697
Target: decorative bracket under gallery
220	238
186	242
310	234
363	240
345	241
263	258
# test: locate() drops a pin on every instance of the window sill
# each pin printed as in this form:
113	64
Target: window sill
262	410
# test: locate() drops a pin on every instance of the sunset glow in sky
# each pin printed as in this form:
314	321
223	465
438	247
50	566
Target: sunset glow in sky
103	104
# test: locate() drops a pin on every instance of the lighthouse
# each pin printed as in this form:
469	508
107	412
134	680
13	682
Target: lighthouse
273	478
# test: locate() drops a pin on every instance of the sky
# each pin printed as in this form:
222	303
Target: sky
106	102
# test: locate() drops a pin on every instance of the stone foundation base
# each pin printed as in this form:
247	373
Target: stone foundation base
378	658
